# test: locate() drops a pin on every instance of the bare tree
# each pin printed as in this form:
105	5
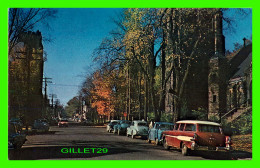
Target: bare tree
22	20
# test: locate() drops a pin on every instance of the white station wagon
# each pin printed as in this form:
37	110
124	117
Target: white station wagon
137	128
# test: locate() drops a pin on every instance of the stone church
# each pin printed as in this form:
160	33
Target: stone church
224	85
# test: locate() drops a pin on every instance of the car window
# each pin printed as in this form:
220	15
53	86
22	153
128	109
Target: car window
166	126
209	128
181	127
190	127
125	122
132	123
142	124
176	127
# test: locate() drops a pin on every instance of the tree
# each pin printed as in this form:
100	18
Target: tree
24	20
73	106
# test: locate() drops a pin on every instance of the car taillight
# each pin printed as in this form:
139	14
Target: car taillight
195	137
228	139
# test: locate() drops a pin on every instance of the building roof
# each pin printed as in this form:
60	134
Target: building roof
240	62
243	67
198	122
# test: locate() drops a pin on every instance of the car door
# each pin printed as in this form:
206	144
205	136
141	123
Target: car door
131	128
152	132
156	131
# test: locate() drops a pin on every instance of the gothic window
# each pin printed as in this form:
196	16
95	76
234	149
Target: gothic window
214	98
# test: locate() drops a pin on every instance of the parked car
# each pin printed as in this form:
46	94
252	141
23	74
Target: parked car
63	123
41	125
122	126
137	128
155	134
16	138
196	135
110	125
115	127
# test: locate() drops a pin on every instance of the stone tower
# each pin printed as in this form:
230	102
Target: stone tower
217	73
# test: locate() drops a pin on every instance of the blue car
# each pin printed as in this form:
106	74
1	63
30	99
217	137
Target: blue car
155	134
115	127
122	126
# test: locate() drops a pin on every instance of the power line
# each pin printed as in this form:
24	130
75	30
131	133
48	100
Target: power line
65	85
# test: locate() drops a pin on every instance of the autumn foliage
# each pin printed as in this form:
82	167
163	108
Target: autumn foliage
102	95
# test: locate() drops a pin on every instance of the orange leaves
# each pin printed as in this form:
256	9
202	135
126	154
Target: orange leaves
102	95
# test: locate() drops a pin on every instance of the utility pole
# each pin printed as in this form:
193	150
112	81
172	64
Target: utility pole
52	97
45	80
45	109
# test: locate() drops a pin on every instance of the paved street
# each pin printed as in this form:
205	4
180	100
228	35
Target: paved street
50	146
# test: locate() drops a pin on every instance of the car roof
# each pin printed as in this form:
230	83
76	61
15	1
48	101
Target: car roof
114	120
164	123
139	121
198	122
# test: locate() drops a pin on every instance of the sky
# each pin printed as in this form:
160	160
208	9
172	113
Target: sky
75	33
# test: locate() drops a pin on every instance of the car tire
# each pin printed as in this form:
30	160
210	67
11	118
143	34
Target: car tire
184	150
165	145
132	135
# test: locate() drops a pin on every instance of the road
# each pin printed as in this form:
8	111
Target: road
69	143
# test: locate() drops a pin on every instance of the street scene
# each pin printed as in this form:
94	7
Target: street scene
46	146
130	84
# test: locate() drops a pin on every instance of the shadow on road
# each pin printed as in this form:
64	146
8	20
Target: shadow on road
43	133
222	155
73	151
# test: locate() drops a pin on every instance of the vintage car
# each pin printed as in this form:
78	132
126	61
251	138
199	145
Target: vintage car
137	128
121	127
63	123
41	125
196	135
16	138
110	125
155	134
115	127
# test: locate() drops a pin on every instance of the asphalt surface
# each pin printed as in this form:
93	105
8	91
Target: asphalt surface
94	143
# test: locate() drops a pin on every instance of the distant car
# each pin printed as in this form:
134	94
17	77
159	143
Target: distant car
63	123
196	135
122	126
41	125
16	138
137	128
155	134
110	125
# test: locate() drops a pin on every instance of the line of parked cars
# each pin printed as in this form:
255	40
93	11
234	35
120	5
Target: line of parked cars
186	135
